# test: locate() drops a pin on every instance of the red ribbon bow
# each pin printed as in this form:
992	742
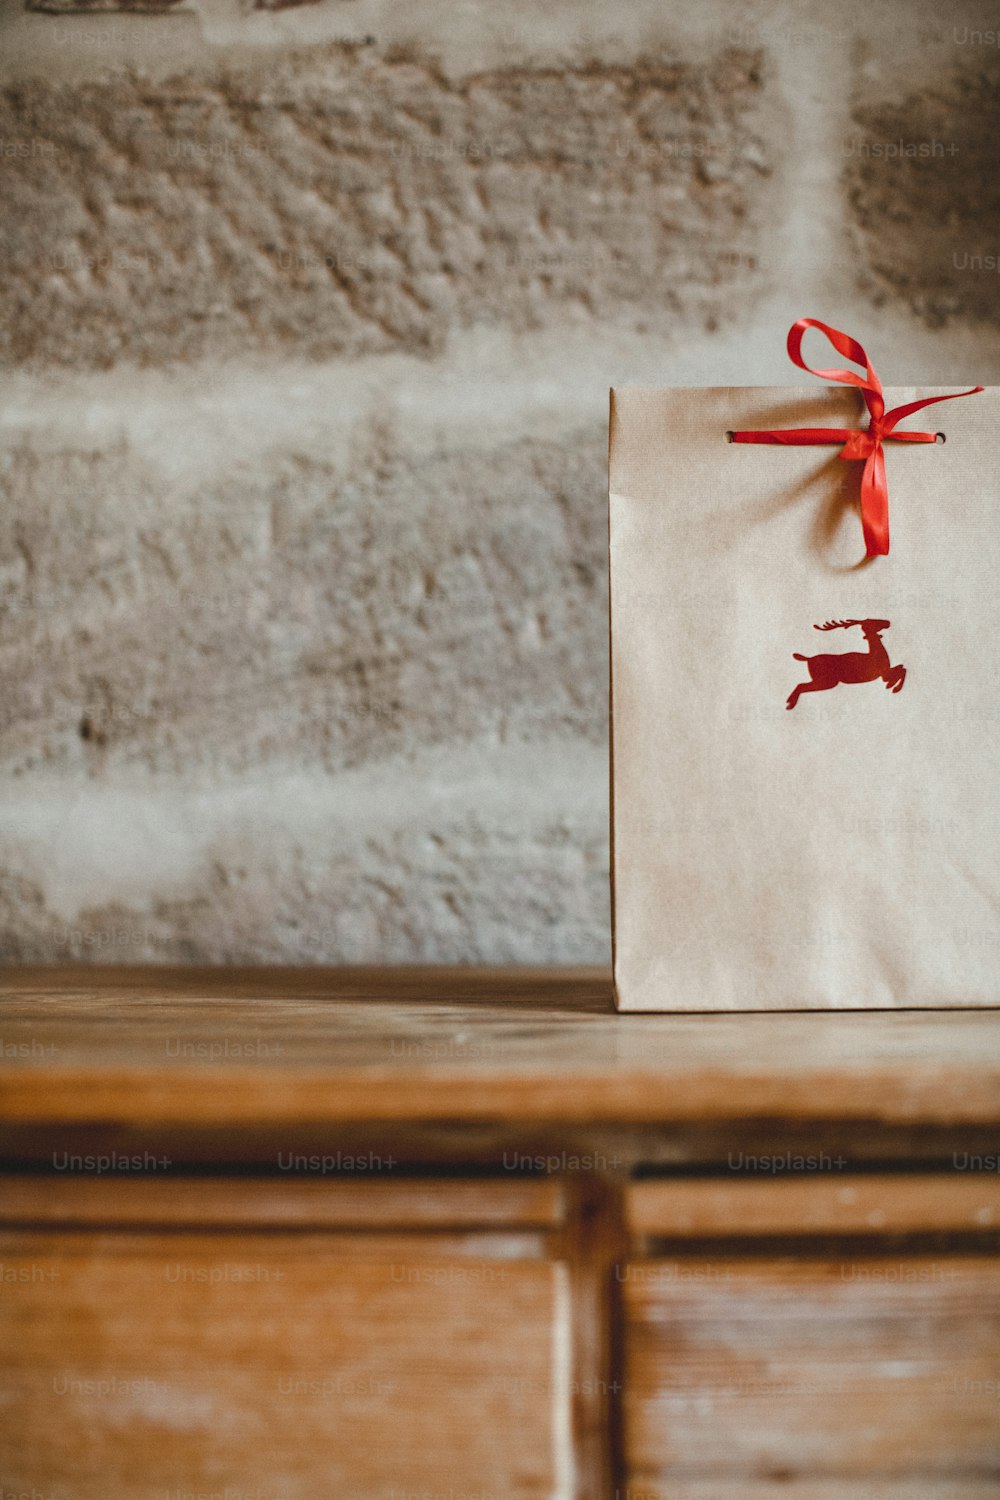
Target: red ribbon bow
865	443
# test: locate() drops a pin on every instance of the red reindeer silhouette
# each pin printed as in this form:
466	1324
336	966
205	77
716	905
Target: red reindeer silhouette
850	666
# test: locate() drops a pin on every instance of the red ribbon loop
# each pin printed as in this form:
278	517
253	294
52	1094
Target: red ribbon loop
858	443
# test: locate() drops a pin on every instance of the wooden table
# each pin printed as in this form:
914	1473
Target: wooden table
422	1232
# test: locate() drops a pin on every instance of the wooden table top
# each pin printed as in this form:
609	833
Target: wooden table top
231	1047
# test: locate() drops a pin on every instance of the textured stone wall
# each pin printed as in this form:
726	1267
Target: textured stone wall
308	319
336	202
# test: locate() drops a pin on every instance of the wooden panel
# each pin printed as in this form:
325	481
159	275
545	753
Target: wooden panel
277	1364
811	1489
415	1202
779	1371
152	1049
879	1203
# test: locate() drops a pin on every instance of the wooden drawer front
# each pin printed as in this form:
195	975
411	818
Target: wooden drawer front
873	1203
283	1365
867	1378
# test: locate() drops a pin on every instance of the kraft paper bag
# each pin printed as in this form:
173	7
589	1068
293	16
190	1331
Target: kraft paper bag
804	738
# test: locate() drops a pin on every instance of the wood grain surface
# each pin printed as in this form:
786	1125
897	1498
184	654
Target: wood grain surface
289	1366
873	1203
786	1488
246	1321
864	1371
257	1048
333	1203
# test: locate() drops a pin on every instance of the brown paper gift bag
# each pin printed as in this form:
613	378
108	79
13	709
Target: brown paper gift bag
804	739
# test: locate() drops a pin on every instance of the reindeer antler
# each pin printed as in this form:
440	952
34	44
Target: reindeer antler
836	624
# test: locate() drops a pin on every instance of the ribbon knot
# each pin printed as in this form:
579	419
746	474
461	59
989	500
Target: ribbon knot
861	443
